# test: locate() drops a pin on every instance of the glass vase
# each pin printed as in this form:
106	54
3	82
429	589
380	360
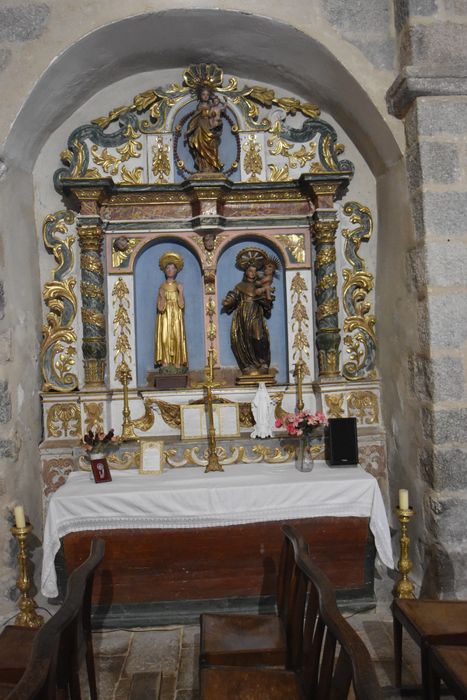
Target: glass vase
304	461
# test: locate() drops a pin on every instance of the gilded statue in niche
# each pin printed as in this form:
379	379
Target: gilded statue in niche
251	303
204	131
170	342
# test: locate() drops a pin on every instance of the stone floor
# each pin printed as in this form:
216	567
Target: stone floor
151	663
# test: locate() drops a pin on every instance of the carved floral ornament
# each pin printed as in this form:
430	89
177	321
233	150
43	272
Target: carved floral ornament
63	420
113	145
363	405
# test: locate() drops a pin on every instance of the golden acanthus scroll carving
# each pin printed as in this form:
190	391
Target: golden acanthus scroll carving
58	351
364	406
358	283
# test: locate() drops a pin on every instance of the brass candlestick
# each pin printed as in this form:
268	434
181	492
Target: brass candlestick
27	617
123	375
404	587
299	372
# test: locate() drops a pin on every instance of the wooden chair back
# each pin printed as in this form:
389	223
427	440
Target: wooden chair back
333	655
291	593
292	544
53	668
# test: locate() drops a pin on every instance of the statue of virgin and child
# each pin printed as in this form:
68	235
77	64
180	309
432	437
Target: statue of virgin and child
204	131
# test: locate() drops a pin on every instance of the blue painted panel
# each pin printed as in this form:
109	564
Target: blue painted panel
148	278
227	277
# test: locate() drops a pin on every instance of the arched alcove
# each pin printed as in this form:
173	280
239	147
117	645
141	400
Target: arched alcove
255	48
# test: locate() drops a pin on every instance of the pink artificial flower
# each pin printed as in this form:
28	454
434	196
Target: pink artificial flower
278	423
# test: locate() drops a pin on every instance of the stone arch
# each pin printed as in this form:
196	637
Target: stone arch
259	48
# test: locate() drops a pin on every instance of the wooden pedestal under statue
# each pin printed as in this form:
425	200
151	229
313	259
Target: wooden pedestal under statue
165	382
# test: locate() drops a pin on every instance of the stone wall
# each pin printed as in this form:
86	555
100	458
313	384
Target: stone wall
430	95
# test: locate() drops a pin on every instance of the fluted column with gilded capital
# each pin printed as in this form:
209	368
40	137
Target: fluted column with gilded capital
327	328
93	303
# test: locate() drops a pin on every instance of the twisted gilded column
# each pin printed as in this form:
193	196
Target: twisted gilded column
93	303
327	329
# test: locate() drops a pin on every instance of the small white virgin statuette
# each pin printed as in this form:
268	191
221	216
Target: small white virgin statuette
262	408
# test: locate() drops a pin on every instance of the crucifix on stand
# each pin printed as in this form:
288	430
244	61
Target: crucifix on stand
213	464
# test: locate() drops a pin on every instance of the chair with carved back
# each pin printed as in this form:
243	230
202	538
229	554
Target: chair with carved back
331	657
45	662
254	639
426	620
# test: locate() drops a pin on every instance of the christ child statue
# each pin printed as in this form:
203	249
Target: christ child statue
264	286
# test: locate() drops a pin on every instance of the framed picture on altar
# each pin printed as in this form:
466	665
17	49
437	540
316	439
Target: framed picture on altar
100	469
151	457
193	420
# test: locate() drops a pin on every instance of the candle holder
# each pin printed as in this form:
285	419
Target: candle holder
299	373
404	587
27	617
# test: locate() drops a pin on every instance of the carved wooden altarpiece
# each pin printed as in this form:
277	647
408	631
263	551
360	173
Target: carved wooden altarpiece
130	182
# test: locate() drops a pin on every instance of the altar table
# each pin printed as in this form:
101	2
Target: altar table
243	499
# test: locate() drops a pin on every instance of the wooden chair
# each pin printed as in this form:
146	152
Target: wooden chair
425	620
447	663
49	658
252	639
321	673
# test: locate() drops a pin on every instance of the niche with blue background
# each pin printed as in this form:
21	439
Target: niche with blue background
227	146
227	276
148	278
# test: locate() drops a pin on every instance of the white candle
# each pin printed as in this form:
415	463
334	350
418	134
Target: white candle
403	499
20	520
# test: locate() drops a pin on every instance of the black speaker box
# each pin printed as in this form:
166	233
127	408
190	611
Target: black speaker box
342	443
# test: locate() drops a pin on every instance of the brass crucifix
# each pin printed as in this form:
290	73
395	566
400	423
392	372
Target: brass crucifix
213	464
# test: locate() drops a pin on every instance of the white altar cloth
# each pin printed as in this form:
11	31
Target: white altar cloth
189	498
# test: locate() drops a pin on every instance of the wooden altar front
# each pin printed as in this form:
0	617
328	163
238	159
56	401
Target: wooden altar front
184	542
168	576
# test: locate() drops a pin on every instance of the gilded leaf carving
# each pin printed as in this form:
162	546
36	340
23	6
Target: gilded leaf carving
132	177
359	323
57	354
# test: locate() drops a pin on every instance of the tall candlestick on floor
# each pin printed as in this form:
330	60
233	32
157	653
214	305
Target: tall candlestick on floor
27	617
404	587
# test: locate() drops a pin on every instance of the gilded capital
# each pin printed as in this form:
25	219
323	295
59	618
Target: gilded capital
90	238
324	232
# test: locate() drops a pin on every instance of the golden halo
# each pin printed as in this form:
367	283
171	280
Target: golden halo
171	257
255	257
